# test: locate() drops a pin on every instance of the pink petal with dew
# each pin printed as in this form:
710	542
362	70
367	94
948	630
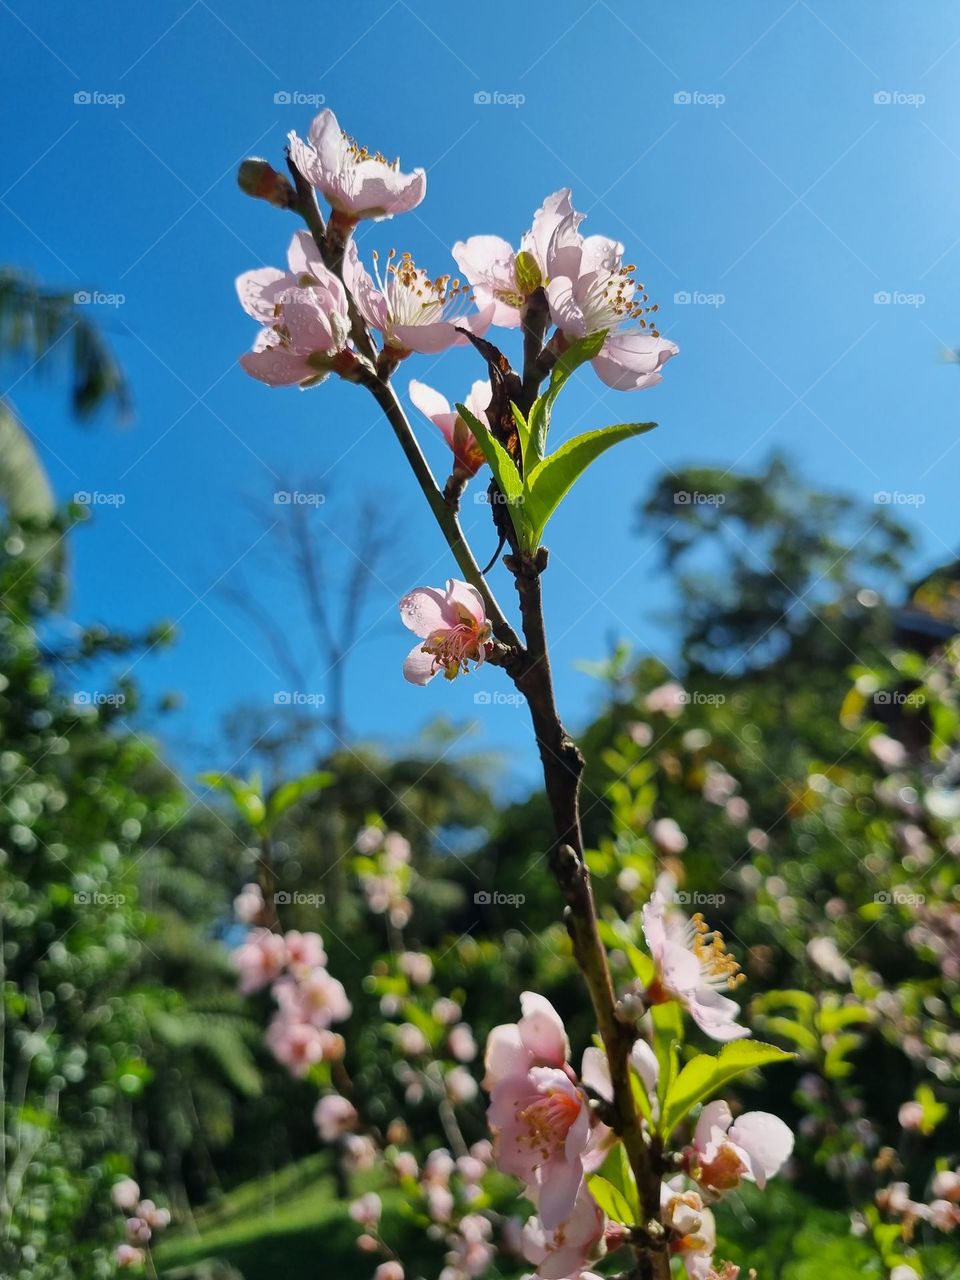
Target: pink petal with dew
424	611
258	292
418	667
275	365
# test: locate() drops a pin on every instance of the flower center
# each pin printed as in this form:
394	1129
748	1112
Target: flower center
455	646
412	297
719	969
547	1122
614	297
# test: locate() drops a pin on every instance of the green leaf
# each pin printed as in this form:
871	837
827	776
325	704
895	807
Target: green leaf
504	472
617	1172
289	793
576	354
705	1074
552	478
801	1036
667	1037
611	1201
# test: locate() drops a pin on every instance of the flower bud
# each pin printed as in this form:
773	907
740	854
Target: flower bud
259	179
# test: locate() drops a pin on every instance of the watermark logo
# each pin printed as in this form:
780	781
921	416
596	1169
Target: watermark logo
696	98
297	698
697	899
894	498
94	898
494	898
294	498
897	98
485	698
899	898
696	698
684	498
94	498
96	98
896	698
294	898
94	298
496	98
484	498
897	298
696	298
297	98
94	698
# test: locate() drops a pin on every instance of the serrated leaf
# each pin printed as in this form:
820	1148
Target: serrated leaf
705	1074
551	479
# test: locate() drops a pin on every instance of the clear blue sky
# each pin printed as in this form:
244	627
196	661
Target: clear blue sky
798	197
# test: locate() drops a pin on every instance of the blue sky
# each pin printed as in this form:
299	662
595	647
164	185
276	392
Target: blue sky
781	163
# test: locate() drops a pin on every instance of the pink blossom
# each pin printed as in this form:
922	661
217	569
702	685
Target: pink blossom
138	1230
590	292
467	454
417	966
669	699
126	1255
537	1040
755	1147
388	1271
570	1245
461	1085
889	752
692	967
446	1010
295	1045
366	1210
946	1185
439	1202
541	1124
411	1041
505	278
910	1116
356	183
694	1231
156	1219
317	998
411	311
360	1152
369	840
405	1164
595	1073
125	1194
248	904
396	850
304	950
305	317
944	1215
667	836
462	1044
453	627
259	959
334	1115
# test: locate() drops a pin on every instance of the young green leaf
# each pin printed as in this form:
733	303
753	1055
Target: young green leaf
504	472
550	480
611	1201
705	1074
290	792
576	354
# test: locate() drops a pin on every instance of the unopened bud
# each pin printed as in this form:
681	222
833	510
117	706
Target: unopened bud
527	273
259	179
